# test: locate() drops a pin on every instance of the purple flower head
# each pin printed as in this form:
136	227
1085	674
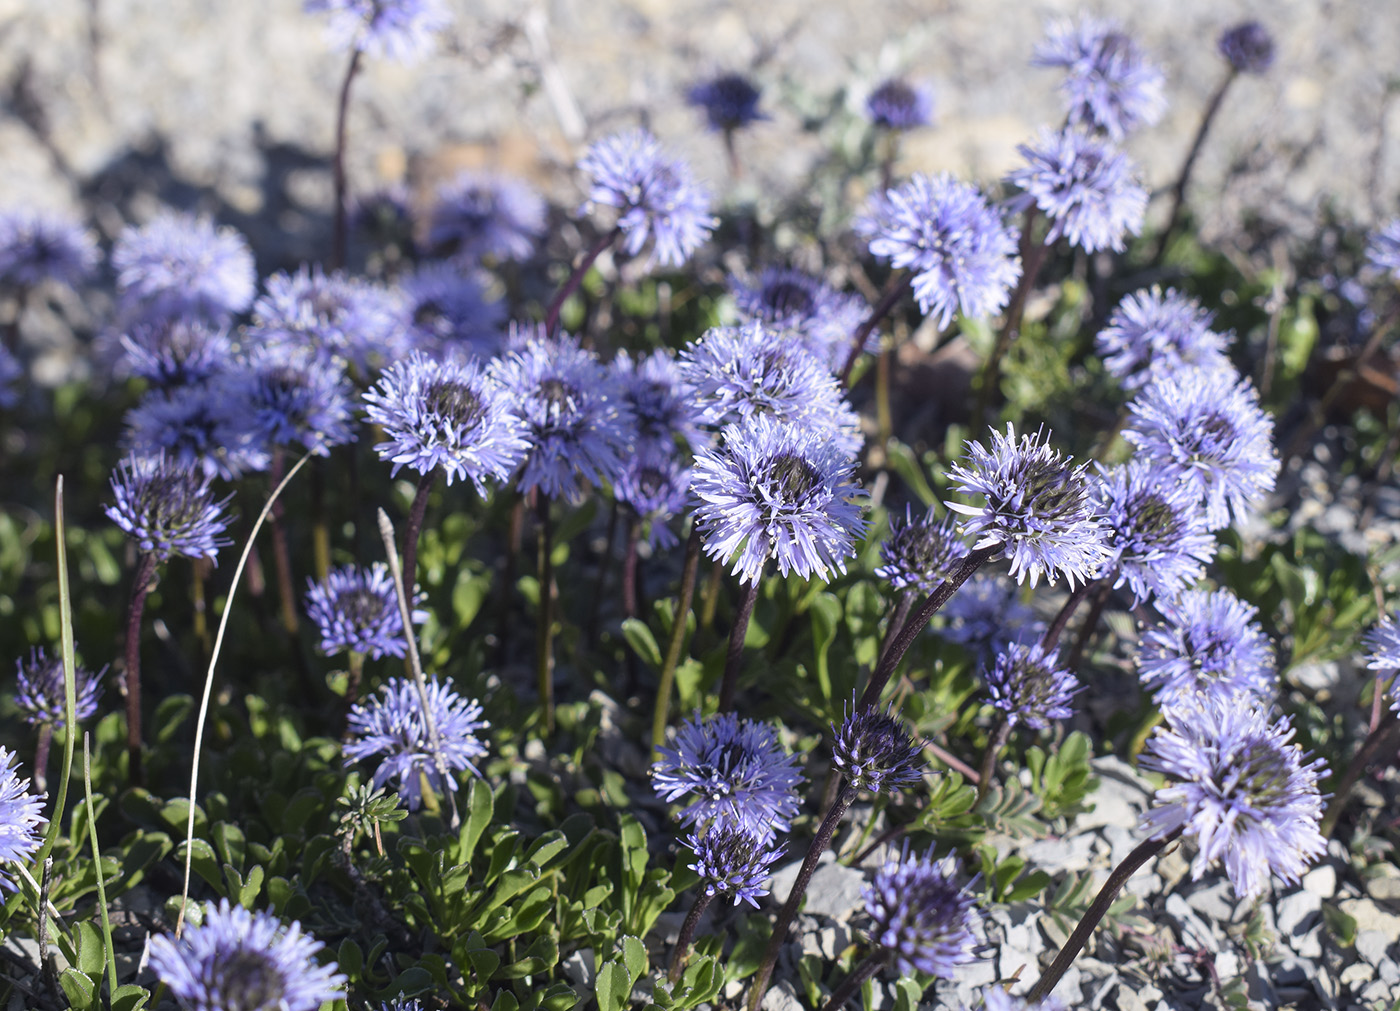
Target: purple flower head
963	255
448	415
1209	647
875	753
776	490
400	30
657	488
822	318
577	423
167	508
1038	507
179	265
1207	428
733	861
897	104
986	615
204	427
1383	249
1383	641
449	310
340	316
37	247
1155	529
176	352
296	396
661	402
1245	794
1109	84
1087	189
736	771
357	611
1031	687
1248	47
40	694
246	961
1151	333
920	915
920	553
390	726
736	374
21	814
994	998
486	216
655	196
730	101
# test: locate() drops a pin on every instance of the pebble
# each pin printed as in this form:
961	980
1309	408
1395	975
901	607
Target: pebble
1356	974
1121	797
1310	944
1071	855
783	997
1214	902
1389	971
1191	928
834	891
833	940
1370	916
1321	881
1296	913
580	968
1371	945
1227	964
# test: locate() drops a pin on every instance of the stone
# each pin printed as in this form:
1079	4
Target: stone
1121	797
781	997
1071	855
580	968
1297	912
1385	888
1192	930
1389	971
1215	902
1227	965
1357	974
1321	881
832	940
1310	944
1126	999
1376	990
1370	916
834	891
1371	945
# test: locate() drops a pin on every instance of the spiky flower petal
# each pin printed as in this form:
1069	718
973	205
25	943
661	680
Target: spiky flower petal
1031	687
1109	84
822	319
1087	189
963	255
1209	645
1155	528
236	960
391	726
1038	507
1154	333
179	265
20	816
737	772
1245	794
920	553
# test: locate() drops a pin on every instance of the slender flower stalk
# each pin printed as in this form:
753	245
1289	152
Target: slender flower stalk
689	568
1380	746
1032	259
869	966
340	238
734	652
141	586
860	340
575	278
544	636
281	550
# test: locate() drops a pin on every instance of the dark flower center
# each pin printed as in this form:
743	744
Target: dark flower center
792	476
249	981
428	314
895	96
651	481
1052	491
1153	521
456	402
361	607
1261	776
787	298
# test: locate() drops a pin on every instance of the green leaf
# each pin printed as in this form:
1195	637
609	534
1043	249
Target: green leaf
826	621
639	637
130	997
1342	926
613	987
480	807
468	594
558	997
903	462
80	991
248	894
634	956
91	952
350	958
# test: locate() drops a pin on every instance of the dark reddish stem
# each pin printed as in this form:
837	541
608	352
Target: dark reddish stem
687	935
896	622
1380	745
1107	894
41	757
629	566
867	968
1091	622
1179	190
1057	627
788	913
733	657
894	290
889	662
544	659
143	584
416	512
340	241
1032	257
556	304
689	569
989	758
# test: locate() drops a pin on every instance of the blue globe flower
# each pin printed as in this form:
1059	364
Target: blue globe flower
1209	646
479	216
182	266
1109	84
166	508
733	861
401	30
37	247
897	104
1154	333
920	915
39	693
1031	687
20	816
357	610
1086	189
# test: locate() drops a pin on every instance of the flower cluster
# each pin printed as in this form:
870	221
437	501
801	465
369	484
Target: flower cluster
1109	85
356	610
1153	333
897	104
1383	641
20	816
1087	190
392	727
1247	796
181	266
921	916
874	752
401	30
730	101
1209	647
733	861
736	771
822	318
40	691
1248	47
37	247
1155	528
479	216
167	509
920	553
1030	687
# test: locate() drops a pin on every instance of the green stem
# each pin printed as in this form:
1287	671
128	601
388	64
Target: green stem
107	945
871	964
673	648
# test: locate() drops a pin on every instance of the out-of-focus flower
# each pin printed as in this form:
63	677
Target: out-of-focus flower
654	196
176	352
37	247
656	487
1153	333
400	30
1088	190
390	726
449	311
1109	84
987	614
179	265
1383	641
823	319
21	814
1248	47
730	101
921	916
205	426
40	692
1155	528
297	396
1383	249
478	216
1210	646
897	104
235	959
662	403
874	752
1031	687
339	316
356	610
963	255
